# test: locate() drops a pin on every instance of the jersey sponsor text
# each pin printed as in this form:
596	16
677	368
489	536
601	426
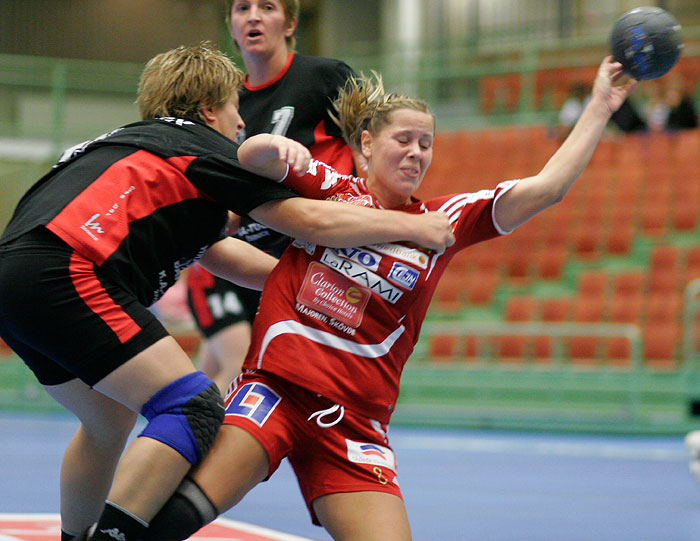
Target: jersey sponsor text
362	276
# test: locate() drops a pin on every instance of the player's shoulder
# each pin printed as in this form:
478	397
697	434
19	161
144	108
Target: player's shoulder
320	64
171	136
442	202
165	127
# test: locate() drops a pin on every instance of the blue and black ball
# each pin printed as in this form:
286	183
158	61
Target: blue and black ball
647	42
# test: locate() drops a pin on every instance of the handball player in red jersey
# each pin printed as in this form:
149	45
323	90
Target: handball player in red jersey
335	326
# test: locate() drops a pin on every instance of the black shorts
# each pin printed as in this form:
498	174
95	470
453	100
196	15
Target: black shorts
63	316
216	303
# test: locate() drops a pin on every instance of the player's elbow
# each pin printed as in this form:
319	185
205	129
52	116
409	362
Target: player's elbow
310	220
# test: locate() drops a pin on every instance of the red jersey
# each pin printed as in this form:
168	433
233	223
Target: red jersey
343	322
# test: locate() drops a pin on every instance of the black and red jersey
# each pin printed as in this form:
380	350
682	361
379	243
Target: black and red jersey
144	201
296	104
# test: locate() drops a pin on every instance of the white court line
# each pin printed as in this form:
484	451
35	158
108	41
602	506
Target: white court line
250	528
531	447
233	524
29	516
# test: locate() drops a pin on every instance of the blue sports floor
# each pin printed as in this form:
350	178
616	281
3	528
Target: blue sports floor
469	485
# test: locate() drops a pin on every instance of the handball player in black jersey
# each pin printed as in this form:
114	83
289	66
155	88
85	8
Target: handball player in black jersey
283	93
103	235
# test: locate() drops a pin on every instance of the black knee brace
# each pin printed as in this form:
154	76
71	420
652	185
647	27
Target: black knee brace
187	510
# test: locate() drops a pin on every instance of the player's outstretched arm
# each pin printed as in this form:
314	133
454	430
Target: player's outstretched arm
341	225
534	194
238	262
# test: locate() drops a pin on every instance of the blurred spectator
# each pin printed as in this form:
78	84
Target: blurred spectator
627	119
572	108
682	114
655	109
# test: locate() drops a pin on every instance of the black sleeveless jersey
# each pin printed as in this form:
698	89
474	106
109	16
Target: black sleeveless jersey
144	201
295	104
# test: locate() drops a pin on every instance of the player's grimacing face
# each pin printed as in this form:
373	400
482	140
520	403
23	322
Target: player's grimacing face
259	25
399	154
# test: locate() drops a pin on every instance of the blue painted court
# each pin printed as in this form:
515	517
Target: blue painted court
458	485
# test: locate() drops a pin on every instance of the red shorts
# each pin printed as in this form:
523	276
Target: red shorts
331	449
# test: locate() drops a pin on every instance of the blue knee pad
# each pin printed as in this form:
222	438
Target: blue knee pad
185	415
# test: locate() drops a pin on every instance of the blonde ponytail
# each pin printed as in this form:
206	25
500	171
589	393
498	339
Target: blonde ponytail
363	104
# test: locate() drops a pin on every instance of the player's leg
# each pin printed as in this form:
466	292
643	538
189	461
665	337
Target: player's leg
260	428
223	312
347	474
184	411
366	516
206	360
91	458
229	347
98	331
235	464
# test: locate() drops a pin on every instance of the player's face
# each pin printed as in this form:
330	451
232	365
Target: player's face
225	118
259	25
399	155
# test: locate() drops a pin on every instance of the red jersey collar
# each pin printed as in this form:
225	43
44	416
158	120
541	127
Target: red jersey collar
272	81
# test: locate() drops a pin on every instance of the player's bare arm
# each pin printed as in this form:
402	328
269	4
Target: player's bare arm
239	262
341	225
534	194
269	155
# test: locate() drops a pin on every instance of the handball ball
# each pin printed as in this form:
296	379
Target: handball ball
647	42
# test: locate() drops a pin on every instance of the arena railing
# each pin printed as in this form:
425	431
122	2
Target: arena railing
66	101
481	391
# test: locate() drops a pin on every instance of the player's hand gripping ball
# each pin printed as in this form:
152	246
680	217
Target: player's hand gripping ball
647	42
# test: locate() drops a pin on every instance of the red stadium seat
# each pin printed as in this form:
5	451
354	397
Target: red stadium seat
620	237
664	256
685	214
628	283
618	351
518	263
626	308
447	297
692	264
661	344
664	307
512	348
520	308
593	283
515	348
587	308
555	309
442	348
655	218
480	287
584	350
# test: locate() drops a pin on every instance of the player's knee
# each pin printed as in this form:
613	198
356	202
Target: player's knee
187	510
186	415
